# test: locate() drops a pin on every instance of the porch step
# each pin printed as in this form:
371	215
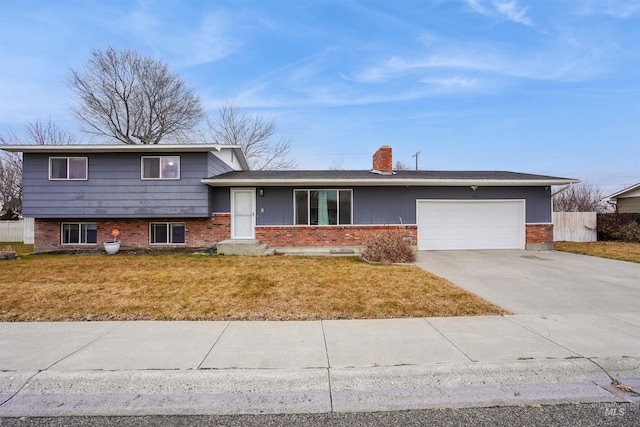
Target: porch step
250	247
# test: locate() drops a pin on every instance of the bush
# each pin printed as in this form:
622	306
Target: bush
8	253
630	233
610	225
389	247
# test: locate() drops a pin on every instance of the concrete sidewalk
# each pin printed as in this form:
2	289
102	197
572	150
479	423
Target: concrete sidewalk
127	368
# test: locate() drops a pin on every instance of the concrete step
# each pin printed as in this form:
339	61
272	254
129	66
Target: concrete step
249	247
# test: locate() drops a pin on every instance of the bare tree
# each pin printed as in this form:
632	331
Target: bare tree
133	98
401	166
38	133
337	165
254	134
579	198
10	184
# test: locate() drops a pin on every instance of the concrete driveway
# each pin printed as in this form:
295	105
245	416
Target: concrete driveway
532	282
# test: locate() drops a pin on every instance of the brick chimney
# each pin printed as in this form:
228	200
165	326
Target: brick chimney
382	161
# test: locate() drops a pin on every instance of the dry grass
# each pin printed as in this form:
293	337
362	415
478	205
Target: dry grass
20	248
199	287
614	250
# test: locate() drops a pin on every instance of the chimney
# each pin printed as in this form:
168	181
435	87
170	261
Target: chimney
382	161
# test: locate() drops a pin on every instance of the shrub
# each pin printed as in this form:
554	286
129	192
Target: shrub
630	233
610	224
389	247
8	253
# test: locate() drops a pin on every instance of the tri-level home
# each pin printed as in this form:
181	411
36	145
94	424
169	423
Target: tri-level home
199	195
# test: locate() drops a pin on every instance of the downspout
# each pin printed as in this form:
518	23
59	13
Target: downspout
558	192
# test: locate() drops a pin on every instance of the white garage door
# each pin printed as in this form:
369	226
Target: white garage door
470	224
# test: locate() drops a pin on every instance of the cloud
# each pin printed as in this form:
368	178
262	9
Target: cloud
622	9
186	45
501	10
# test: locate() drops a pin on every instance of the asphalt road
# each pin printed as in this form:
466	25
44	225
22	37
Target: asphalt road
583	415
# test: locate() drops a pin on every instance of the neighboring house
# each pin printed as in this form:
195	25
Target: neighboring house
627	200
199	195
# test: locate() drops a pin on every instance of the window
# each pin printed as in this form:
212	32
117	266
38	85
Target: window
80	233
68	168
322	207
167	233
161	167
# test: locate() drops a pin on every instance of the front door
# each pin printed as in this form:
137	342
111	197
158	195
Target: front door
243	213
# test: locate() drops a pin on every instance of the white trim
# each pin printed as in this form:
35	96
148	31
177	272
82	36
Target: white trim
160	178
309	206
168	232
522	234
119	148
68	158
338	225
378	181
62	224
253	212
621	192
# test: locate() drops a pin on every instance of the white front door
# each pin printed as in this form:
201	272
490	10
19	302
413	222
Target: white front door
243	213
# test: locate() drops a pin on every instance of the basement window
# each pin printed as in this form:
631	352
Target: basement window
80	233
167	233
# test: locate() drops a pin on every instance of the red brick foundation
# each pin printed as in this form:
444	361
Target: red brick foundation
341	235
134	233
539	236
206	232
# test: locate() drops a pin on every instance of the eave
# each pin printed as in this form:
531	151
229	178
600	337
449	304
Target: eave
387	182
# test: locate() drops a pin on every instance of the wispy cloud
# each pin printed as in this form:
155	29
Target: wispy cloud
622	9
501	10
185	45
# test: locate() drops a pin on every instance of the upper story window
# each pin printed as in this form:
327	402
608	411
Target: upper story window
68	168
161	167
322	207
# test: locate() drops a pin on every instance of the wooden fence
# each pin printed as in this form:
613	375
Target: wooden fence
17	231
574	227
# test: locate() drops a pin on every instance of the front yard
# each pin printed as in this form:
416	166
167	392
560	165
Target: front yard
205	287
614	250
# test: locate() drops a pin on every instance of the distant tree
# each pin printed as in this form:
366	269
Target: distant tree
133	98
337	165
401	166
37	133
254	134
10	185
580	198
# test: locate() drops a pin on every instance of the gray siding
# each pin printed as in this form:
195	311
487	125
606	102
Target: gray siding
215	166
386	205
114	189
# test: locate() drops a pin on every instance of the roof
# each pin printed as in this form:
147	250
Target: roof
127	148
398	178
623	193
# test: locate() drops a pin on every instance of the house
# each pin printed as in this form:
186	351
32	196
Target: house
627	200
199	195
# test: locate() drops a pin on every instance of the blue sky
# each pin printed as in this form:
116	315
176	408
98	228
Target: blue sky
549	87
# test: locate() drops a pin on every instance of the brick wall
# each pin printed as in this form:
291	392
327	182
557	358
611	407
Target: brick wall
134	233
341	235
382	160
539	236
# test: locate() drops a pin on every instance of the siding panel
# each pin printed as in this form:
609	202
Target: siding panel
115	189
387	205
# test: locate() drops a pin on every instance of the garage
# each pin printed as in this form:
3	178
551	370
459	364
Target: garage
470	224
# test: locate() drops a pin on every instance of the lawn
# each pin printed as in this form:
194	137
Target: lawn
20	248
614	250
214	287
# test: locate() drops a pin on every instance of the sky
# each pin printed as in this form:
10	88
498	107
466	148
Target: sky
538	86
